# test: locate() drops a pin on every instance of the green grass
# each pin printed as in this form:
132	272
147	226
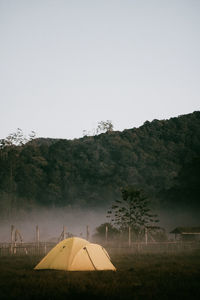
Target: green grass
145	276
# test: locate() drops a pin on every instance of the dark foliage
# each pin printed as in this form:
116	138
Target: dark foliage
186	189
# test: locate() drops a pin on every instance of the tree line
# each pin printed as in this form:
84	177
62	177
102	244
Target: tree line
160	157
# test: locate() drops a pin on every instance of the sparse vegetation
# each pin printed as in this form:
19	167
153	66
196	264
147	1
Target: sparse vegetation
146	276
100	233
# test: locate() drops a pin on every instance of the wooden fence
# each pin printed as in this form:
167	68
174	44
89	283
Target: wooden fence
21	249
123	245
42	248
154	247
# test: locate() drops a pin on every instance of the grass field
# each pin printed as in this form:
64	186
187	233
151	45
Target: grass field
145	276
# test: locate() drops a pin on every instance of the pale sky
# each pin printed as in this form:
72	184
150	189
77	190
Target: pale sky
66	65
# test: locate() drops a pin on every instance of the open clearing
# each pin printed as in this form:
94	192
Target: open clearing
138	276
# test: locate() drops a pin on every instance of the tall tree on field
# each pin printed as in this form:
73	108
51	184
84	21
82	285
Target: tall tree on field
132	211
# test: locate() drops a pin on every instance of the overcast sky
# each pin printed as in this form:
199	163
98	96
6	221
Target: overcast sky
65	65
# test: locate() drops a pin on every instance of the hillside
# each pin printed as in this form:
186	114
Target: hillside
90	171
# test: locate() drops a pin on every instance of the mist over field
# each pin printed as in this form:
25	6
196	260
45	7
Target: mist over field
176	218
51	222
76	219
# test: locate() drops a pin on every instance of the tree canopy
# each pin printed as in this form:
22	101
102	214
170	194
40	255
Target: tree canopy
133	210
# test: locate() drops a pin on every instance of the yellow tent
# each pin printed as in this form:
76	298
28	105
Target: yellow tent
76	254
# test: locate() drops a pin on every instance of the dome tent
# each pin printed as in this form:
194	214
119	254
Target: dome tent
76	254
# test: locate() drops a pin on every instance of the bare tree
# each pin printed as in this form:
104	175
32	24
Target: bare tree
17	138
104	126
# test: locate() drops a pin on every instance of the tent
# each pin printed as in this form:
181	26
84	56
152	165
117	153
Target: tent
76	254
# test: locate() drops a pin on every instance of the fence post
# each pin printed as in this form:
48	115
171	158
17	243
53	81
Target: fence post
64	232
12	239
106	234
87	233
146	236
129	236
37	238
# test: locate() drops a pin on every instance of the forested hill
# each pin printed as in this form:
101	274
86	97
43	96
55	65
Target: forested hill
90	171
